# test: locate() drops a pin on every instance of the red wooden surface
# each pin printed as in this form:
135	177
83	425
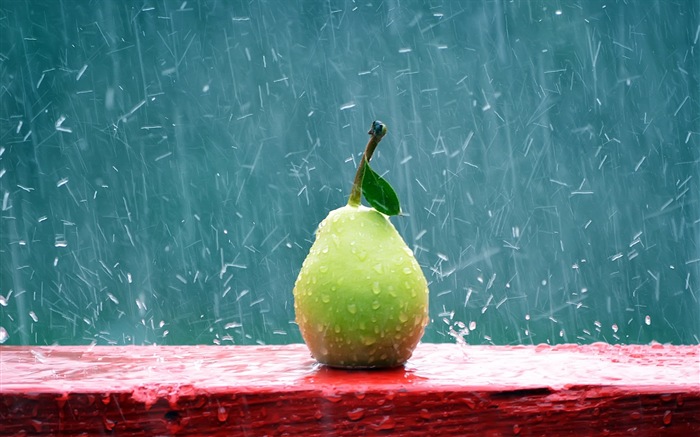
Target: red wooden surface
278	390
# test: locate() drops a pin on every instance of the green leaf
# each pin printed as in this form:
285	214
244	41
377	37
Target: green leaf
379	193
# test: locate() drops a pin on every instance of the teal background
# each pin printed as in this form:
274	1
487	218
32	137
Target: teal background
163	165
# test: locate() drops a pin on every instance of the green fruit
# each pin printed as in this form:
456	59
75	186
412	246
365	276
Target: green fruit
361	299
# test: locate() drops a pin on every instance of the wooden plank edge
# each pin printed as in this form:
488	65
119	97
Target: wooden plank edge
594	389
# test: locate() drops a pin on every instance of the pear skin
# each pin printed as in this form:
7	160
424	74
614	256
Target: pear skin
361	299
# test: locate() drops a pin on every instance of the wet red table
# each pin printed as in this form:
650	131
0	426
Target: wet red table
597	389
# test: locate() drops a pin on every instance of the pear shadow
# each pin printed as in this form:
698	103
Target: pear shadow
328	375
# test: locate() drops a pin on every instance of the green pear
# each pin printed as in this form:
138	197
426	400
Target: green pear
361	299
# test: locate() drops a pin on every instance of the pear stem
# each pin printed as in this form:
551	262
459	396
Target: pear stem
376	133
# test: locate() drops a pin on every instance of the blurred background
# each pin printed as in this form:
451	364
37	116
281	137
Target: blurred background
164	164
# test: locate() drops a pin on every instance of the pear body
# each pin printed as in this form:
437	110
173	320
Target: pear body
361	299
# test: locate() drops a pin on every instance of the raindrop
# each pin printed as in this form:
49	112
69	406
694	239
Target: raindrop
222	414
352	308
369	341
356	414
668	415
386	424
4	336
109	424
37	425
